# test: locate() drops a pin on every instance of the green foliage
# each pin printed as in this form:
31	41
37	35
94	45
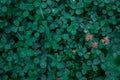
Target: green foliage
51	39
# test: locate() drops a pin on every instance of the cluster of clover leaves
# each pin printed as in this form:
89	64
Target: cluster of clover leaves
59	39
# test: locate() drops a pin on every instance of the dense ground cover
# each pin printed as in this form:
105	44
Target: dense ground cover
59	39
